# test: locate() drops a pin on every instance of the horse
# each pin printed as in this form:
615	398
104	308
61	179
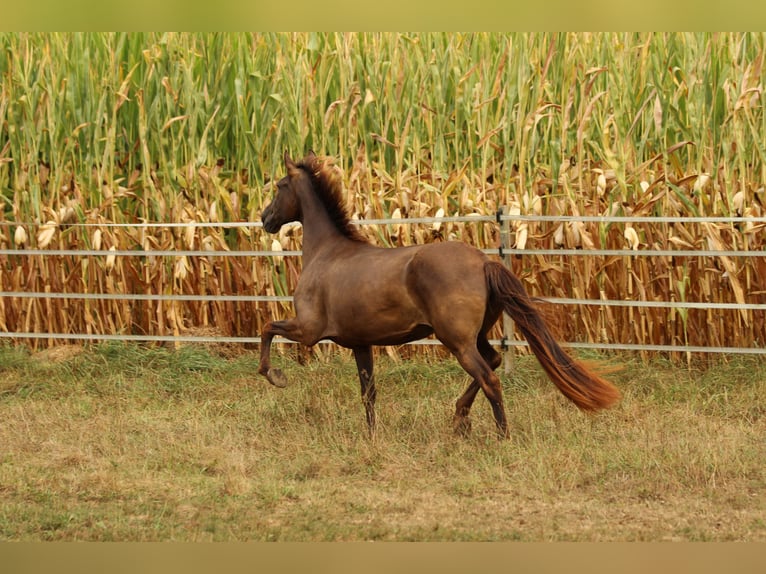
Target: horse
360	295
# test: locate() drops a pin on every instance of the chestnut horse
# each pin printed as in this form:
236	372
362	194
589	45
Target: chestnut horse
359	295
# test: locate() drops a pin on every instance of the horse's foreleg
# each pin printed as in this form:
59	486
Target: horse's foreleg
290	329
363	357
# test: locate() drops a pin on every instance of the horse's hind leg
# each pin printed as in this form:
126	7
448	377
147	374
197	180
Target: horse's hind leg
363	357
493	358
474	364
460	422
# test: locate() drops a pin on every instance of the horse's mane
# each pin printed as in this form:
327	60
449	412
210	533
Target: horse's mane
329	188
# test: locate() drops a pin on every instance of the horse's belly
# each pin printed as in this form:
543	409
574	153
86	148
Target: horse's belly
367	338
380	319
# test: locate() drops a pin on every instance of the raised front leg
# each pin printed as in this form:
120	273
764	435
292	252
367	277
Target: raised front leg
290	329
363	357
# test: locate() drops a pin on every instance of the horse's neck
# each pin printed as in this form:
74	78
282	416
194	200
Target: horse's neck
319	231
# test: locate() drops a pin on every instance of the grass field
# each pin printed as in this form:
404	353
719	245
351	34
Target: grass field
120	442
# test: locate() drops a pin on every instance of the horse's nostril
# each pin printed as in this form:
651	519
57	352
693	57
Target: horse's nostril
266	218
269	224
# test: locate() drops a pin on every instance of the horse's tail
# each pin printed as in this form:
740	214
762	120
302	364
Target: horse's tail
584	388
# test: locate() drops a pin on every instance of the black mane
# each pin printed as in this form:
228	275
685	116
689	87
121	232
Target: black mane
329	188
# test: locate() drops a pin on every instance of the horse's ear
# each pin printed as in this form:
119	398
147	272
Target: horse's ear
311	156
290	166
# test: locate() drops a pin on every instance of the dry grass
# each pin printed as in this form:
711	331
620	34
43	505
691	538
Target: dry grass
124	443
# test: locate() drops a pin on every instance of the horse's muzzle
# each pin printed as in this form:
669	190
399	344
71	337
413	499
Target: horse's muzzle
270	226
267	217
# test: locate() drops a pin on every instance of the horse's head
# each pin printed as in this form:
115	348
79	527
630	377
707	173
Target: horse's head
286	205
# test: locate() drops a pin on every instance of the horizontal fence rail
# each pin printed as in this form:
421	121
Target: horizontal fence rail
297	253
477	217
289	298
505	250
420	342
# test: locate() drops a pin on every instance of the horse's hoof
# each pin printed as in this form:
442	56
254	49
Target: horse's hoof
461	426
276	378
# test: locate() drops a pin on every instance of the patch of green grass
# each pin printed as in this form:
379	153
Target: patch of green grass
124	442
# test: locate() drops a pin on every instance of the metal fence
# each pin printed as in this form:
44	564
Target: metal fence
505	250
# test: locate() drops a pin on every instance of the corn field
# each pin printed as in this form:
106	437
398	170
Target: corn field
137	148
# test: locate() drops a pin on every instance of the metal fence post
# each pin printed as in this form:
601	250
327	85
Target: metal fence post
506	242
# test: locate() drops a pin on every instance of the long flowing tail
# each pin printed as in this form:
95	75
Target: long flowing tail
587	390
